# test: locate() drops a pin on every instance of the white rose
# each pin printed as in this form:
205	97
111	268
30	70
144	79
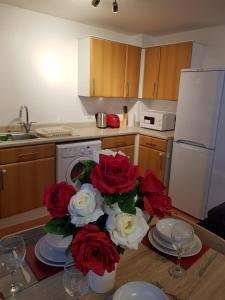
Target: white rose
127	230
85	206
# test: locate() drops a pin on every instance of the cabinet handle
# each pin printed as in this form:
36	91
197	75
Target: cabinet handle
27	154
3	173
93	87
161	160
119	145
151	145
154	86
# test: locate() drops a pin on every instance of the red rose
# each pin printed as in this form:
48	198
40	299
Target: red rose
57	197
92	249
151	184
114	174
158	205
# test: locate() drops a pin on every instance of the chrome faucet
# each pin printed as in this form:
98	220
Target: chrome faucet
27	125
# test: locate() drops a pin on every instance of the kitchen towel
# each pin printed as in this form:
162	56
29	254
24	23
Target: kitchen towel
186	262
40	270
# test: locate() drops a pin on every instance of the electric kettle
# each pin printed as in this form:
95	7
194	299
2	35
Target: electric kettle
101	120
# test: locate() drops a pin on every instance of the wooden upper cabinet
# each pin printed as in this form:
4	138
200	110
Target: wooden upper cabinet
108	61
133	60
151	72
173	58
107	68
163	65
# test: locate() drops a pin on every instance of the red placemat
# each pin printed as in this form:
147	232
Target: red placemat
2	296
40	270
186	262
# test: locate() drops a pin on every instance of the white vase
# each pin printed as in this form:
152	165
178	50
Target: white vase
102	284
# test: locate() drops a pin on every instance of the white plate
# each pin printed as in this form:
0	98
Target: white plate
44	260
58	241
50	253
160	241
164	228
195	249
139	290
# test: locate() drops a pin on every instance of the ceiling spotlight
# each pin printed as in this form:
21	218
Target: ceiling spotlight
115	7
95	3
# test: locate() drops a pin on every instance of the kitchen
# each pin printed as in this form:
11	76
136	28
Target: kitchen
39	62
59	72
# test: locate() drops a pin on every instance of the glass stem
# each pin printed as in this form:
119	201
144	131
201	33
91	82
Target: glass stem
178	267
13	283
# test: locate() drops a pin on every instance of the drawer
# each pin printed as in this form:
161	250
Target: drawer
152	142
118	141
18	154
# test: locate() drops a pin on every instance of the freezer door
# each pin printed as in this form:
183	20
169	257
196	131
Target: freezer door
189	179
198	107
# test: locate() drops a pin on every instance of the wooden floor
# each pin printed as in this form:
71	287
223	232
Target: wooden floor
179	213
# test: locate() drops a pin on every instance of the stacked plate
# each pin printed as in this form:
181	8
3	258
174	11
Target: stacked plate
160	238
51	250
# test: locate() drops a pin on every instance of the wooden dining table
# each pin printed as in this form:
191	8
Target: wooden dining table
204	280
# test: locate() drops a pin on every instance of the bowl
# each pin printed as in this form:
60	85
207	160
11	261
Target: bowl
139	290
58	242
164	228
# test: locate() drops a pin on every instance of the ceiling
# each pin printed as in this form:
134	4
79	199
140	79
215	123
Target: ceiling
153	17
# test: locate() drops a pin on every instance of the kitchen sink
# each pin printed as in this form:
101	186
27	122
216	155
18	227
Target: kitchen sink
17	136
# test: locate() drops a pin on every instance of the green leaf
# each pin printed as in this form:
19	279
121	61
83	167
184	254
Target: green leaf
85	174
126	203
120	249
111	199
61	226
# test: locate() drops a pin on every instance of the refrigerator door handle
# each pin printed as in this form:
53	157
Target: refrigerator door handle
195	144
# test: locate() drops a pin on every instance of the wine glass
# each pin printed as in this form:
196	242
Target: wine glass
182	237
12	254
74	282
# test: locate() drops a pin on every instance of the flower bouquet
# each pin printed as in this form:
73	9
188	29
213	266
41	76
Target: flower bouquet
103	211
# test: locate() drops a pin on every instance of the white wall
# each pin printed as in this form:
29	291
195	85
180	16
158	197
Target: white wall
38	59
38	66
213	38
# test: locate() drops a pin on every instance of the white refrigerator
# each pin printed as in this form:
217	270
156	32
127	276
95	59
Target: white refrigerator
197	179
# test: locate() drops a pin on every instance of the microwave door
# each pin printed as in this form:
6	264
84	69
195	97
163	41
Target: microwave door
149	120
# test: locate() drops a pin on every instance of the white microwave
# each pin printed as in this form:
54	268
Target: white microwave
158	120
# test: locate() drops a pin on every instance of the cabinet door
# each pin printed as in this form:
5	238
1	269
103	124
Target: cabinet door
153	160
151	72
128	150
22	185
173	58
133	60
108	61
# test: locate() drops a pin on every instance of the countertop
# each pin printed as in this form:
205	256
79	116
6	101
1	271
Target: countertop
90	132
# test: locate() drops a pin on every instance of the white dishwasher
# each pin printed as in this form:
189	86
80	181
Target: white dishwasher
69	156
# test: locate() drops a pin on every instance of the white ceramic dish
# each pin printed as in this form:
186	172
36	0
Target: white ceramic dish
164	228
58	241
139	290
51	253
195	248
161	241
45	260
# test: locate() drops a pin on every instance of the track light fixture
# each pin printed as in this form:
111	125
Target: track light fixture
115	7
95	3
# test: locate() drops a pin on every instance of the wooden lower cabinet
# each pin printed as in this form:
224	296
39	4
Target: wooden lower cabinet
23	185
24	174
152	159
124	143
128	150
